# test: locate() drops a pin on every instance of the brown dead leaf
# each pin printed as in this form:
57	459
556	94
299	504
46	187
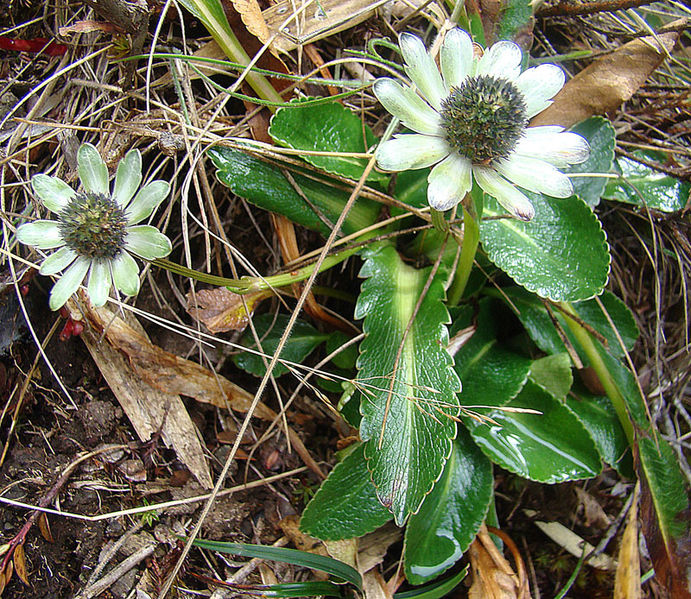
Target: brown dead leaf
221	310
318	21
374	586
87	26
171	374
608	81
19	559
493	577
593	514
373	546
251	15
627	582
44	527
147	409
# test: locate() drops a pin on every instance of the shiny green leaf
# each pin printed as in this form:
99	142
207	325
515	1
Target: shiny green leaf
553	374
325	128
600	419
601	137
535	445
484	366
346	504
435	590
562	254
405	374
265	186
303	340
533	315
643	186
438	535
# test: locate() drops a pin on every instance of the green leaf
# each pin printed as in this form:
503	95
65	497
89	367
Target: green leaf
601	137
346	505
600	419
406	377
346	358
533	315
323	588
483	365
515	18
562	254
327	127
553	374
642	186
411	187
265	186
665	514
303	340
436	590
535	446
287	556
438	535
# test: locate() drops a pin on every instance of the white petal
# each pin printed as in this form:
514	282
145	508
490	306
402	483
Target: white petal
54	193
504	192
128	178
92	170
405	104
147	242
126	274
99	282
146	201
68	283
58	261
456	57
422	70
536	175
449	182
503	60
411	151
43	234
553	145
539	85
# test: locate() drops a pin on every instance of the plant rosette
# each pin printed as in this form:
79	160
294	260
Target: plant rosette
470	119
97	231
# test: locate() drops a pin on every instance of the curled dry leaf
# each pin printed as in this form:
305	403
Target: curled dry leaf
493	577
221	310
174	375
608	81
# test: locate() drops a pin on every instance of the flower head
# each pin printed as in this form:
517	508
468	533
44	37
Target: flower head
471	122
97	231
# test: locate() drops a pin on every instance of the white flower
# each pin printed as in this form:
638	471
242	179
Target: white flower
96	232
471	120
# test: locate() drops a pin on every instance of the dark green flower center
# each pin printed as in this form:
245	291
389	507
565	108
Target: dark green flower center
484	118
94	226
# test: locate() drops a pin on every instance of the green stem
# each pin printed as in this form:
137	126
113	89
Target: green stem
439	221
217	25
253	284
600	368
471	240
459	15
